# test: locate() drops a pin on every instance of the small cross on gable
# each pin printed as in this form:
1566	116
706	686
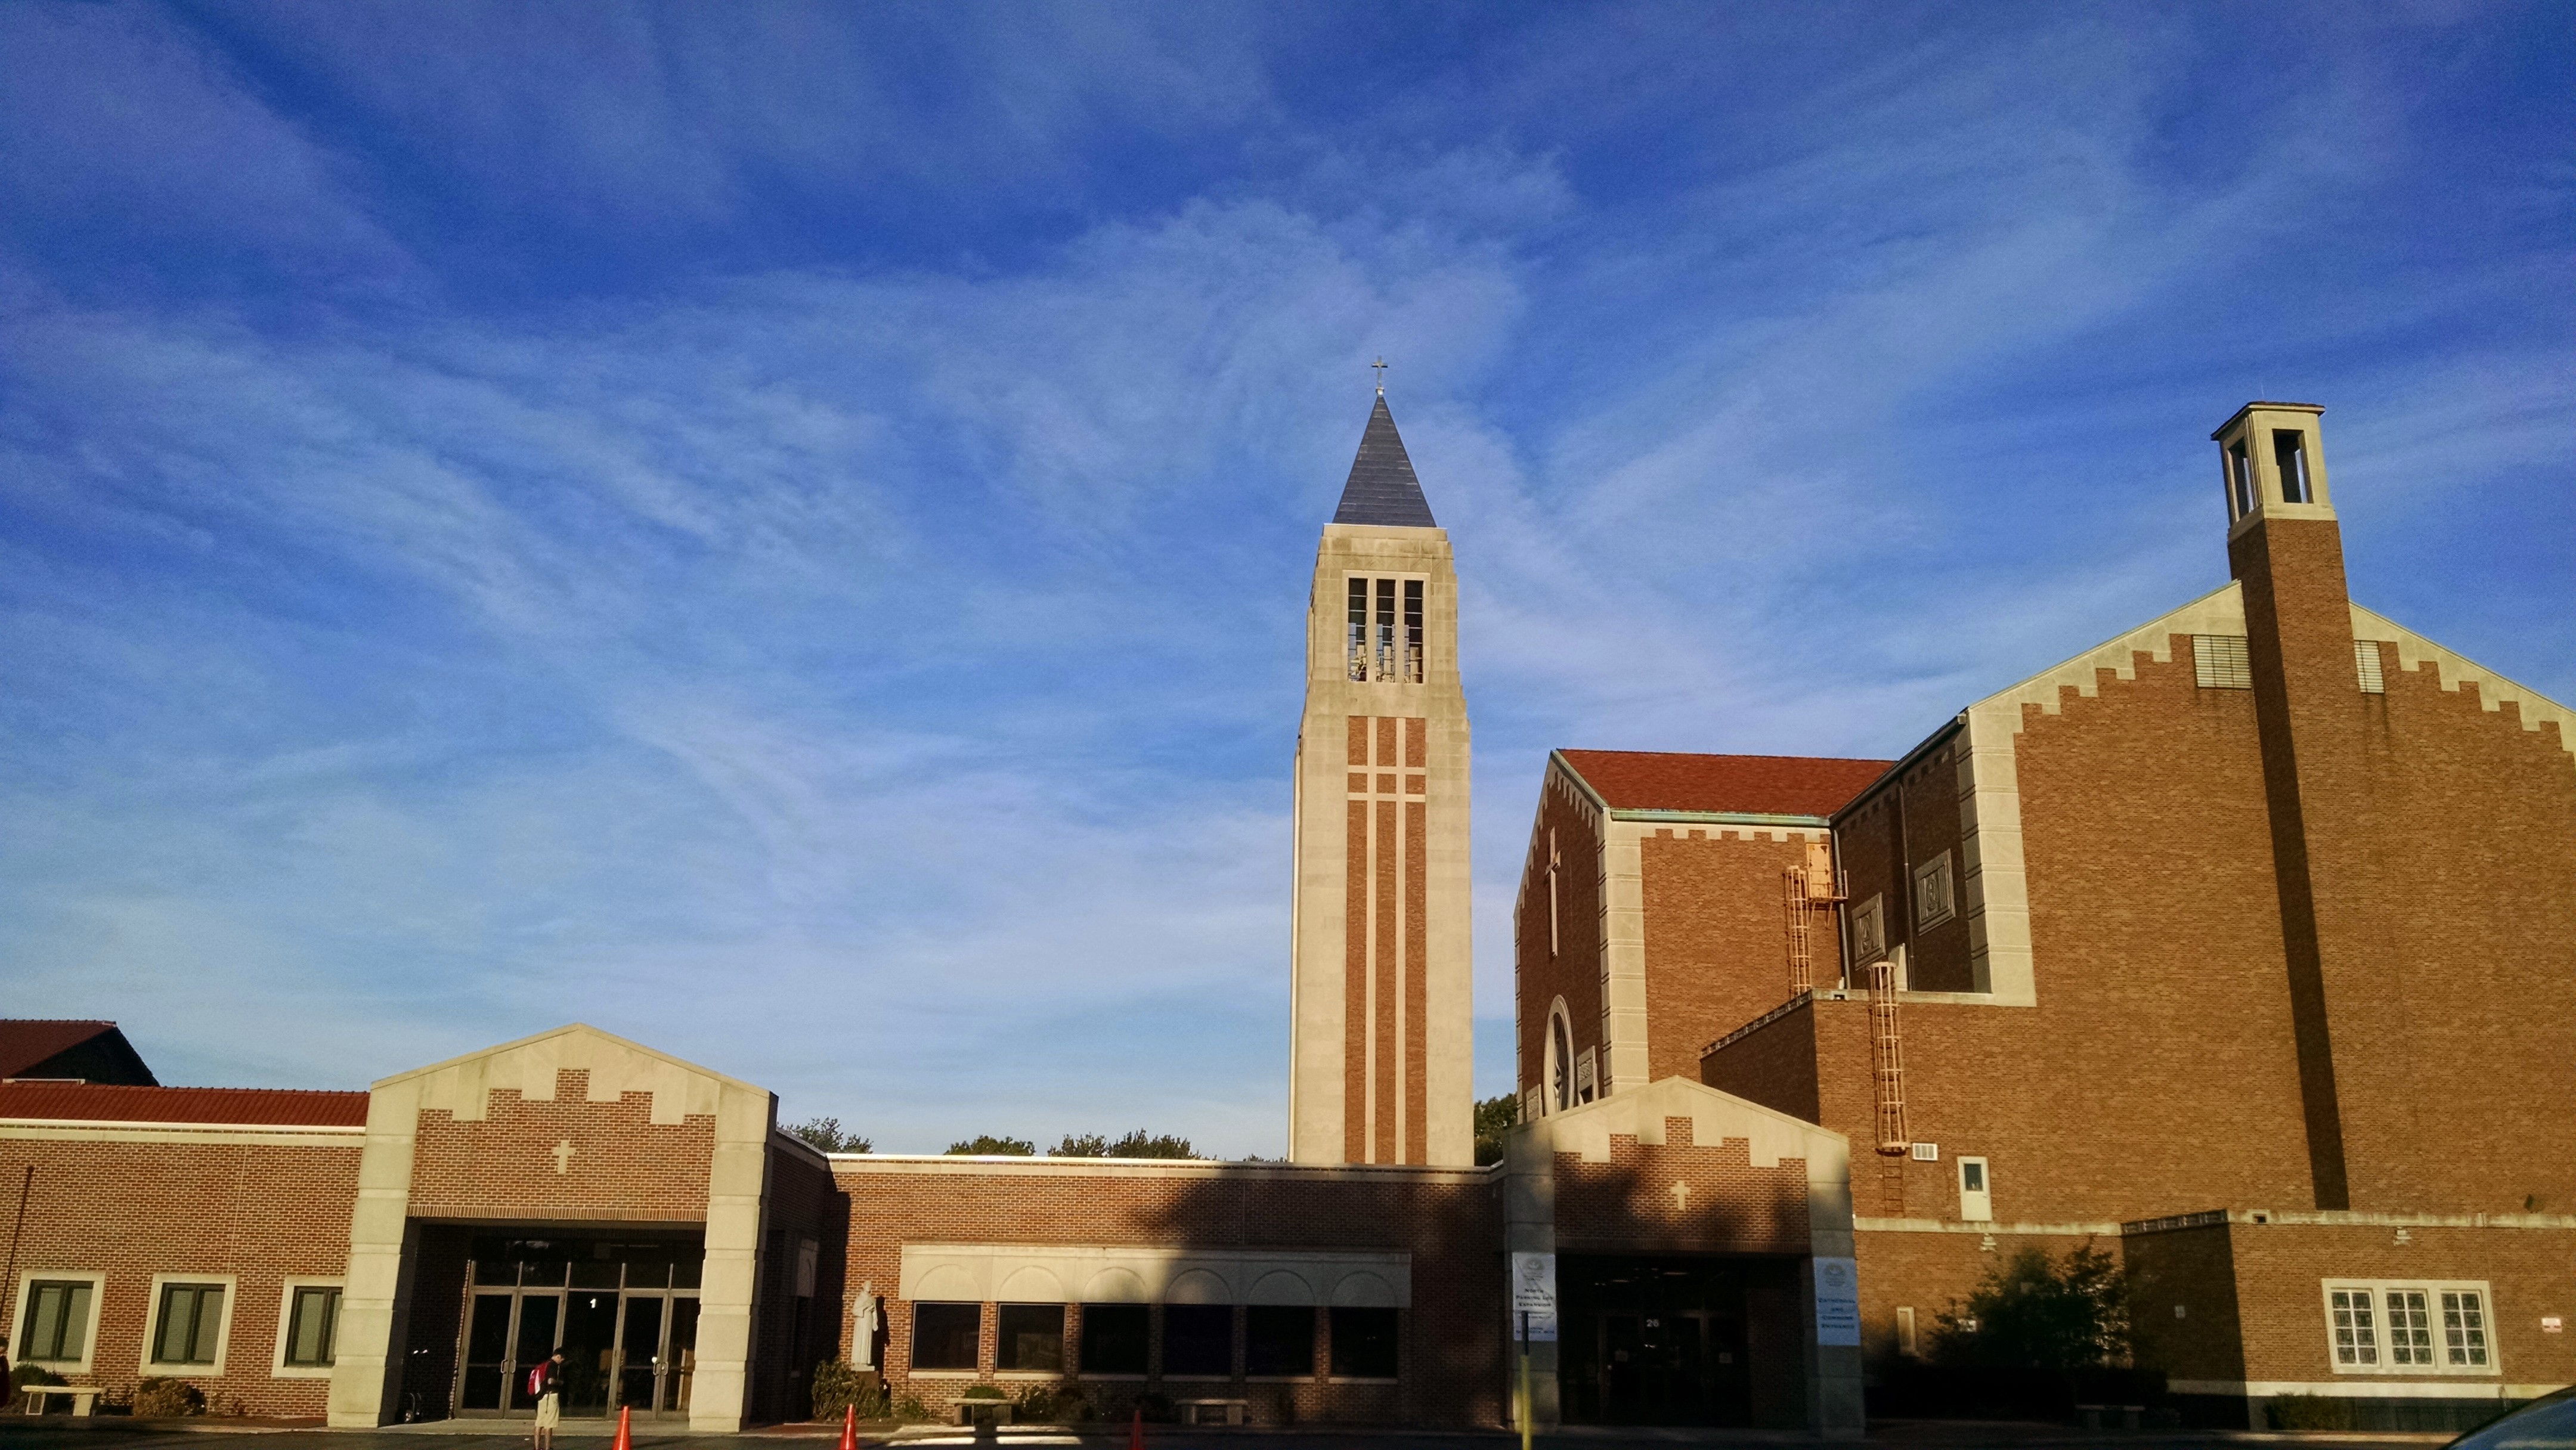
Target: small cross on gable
563	1156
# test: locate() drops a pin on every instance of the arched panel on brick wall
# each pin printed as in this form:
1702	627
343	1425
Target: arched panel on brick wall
1115	1286
947	1282
1281	1287
1031	1285
1363	1290
1198	1286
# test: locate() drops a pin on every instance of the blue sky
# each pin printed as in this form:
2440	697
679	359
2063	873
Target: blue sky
783	532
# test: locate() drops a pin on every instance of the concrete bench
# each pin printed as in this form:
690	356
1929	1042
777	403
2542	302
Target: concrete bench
984	1412
1191	1411
83	1397
2096	1417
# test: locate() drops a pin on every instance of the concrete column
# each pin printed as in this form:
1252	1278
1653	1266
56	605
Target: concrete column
1835	1407
1529	1227
737	1185
366	1378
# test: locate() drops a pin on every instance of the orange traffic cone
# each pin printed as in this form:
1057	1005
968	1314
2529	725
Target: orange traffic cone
1136	1431
625	1429
850	1428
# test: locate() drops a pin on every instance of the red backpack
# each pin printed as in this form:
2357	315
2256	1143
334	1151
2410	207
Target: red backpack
537	1377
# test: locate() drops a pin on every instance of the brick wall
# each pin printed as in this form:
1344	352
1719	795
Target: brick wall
1450	1224
794	1332
1904	823
1774	1065
1571	970
1729	1206
2428	848
2282	1268
1716	944
504	1168
132	1209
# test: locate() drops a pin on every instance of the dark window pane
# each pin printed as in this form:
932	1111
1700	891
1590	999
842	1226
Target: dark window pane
1279	1339
1032	1337
191	1314
308	1327
57	1326
1198	1339
1114	1337
1364	1343
943	1335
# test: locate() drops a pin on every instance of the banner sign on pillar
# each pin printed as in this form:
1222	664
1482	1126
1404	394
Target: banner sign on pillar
1837	1302
1534	1295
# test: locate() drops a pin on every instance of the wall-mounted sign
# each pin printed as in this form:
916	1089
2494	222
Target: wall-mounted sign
1837	1302
1534	1297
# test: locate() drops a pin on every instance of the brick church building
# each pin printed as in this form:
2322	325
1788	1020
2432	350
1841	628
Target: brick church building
2242	947
2238	947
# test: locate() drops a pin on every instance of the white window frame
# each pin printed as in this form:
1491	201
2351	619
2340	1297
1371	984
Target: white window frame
150	1367
1587	1077
1936	869
2432	1290
1869	944
278	1367
1906	1342
1976	1205
89	1334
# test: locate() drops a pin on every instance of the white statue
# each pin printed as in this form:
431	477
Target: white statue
863	1327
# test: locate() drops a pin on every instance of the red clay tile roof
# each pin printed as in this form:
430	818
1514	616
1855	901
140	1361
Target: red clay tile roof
1754	785
93	1102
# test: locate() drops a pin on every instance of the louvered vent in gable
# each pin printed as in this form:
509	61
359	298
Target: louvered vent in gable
2219	662
2365	656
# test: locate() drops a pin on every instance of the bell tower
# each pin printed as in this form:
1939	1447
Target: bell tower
1380	1069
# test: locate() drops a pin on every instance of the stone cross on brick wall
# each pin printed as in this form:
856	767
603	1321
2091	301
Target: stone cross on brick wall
563	1156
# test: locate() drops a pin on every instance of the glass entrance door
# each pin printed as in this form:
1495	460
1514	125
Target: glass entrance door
626	1322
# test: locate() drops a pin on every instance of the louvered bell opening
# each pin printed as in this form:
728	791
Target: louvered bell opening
2365	658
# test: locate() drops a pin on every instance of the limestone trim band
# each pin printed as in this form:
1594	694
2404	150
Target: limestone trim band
946	1164
1114	1274
86	1131
2371	1389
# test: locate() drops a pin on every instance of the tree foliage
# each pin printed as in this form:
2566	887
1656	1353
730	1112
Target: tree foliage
2033	1312
826	1134
1138	1144
985	1144
1495	1119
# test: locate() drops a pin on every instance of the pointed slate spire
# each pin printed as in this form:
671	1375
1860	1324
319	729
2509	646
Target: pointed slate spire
1382	489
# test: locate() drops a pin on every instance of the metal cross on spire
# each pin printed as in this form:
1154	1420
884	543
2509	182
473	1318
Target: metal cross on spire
1380	365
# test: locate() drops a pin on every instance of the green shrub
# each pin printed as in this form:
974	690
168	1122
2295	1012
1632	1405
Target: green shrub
912	1411
841	1386
982	1392
166	1399
2308	1412
2033	1312
28	1374
1051	1405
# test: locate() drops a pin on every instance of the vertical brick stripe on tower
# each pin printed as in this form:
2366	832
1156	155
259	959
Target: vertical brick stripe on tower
1355	988
1383	983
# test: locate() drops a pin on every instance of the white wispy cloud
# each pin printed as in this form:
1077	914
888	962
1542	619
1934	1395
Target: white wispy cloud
875	672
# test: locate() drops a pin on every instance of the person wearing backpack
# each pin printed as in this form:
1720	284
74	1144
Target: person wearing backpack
545	1381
